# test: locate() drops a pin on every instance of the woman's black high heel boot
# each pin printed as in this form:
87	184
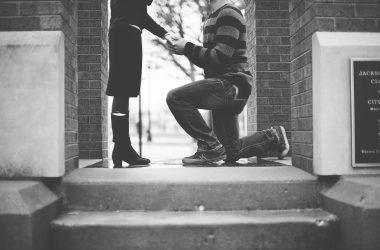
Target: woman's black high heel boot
123	150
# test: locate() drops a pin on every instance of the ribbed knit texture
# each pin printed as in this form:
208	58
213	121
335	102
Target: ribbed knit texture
224	43
224	48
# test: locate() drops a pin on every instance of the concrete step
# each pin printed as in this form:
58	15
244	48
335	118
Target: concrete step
312	229
191	189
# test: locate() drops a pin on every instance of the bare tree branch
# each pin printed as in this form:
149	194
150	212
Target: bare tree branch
172	58
183	17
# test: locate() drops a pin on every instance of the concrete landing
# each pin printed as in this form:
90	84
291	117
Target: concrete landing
176	162
187	189
188	175
196	230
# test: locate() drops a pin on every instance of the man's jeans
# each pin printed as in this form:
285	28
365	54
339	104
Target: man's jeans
219	96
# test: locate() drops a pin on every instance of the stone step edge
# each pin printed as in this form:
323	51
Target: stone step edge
184	176
185	197
318	216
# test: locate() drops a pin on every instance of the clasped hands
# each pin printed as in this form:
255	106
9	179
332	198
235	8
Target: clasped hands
175	44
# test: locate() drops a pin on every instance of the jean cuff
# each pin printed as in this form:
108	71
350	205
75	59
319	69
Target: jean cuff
271	134
204	147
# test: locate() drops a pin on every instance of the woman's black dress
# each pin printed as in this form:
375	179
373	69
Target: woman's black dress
125	50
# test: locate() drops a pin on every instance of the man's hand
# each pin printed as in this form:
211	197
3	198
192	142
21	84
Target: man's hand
170	39
178	47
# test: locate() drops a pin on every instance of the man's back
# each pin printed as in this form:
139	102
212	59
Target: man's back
225	31
224	52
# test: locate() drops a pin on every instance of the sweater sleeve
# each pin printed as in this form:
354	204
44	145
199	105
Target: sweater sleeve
228	27
153	27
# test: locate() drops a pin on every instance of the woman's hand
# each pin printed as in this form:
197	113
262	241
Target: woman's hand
170	39
178	47
175	43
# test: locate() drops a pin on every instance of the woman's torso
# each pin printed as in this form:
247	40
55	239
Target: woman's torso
128	12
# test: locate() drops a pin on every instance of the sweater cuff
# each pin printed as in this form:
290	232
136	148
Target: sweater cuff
163	36
161	32
189	49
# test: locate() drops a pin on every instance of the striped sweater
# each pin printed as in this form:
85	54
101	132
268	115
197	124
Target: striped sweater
224	51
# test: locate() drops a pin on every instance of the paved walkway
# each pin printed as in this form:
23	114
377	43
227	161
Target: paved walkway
168	151
177	163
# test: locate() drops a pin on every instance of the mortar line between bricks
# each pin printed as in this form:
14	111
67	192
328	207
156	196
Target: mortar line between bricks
272	71
297	8
292	35
291	84
34	15
303	54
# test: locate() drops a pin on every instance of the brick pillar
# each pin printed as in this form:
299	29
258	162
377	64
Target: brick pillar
251	47
269	49
306	18
93	71
52	15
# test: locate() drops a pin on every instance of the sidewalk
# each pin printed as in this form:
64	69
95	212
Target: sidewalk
163	150
168	150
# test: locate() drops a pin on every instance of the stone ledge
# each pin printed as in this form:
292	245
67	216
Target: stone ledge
355	200
32	101
26	209
188	188
312	229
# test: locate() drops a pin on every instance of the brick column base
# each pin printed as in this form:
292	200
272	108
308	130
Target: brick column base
93	71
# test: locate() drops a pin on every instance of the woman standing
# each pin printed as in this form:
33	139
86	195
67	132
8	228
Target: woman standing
128	19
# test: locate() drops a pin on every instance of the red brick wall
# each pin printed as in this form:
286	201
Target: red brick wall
93	74
269	48
306	18
61	15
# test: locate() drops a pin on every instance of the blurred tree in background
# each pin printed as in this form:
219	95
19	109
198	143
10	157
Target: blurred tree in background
184	18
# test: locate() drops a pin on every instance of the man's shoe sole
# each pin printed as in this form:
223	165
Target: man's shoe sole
203	161
285	151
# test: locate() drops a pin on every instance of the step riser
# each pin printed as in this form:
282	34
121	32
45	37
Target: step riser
188	197
286	236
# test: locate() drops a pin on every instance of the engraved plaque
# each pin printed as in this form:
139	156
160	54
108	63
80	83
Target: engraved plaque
365	102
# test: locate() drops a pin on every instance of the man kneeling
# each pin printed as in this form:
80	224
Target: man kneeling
225	91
